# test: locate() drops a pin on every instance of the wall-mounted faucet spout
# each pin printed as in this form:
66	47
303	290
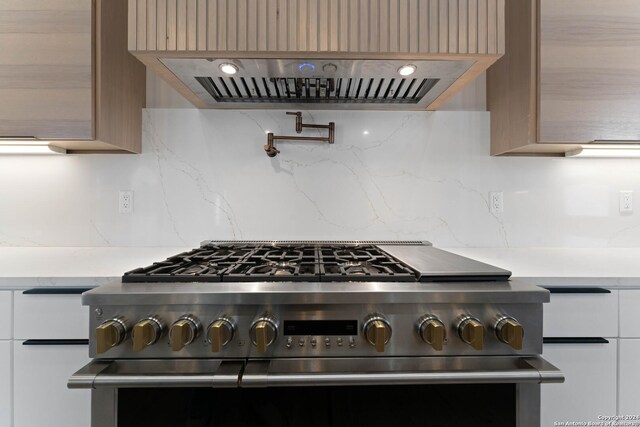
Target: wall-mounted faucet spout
272	151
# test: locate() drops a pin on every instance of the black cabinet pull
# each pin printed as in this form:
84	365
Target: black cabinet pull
575	290
56	342
55	291
574	340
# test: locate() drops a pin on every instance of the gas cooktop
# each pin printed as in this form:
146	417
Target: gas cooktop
310	262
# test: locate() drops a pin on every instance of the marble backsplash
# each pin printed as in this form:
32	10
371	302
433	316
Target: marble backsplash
390	175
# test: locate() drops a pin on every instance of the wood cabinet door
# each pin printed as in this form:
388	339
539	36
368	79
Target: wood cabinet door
46	83
589	82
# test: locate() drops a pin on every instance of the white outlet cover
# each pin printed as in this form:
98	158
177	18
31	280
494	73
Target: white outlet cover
496	205
125	201
626	201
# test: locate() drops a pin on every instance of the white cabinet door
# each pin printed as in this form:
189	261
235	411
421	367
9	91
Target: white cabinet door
629	403
629	314
5	383
40	395
6	307
589	389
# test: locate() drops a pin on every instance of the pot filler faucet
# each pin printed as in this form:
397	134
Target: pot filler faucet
272	151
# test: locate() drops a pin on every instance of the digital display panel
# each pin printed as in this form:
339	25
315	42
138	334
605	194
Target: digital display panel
320	327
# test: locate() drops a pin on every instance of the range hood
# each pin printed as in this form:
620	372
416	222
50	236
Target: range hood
317	54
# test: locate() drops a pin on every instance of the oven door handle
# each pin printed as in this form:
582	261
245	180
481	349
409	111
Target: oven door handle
142	373
398	371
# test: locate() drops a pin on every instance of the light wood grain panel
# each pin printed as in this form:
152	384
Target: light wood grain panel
589	70
201	22
141	23
511	82
192	25
172	16
132	28
375	26
46	81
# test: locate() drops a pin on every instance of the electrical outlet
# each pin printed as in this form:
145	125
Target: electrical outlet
495	202
125	202
626	201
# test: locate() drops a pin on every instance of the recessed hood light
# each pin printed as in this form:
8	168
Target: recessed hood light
30	149
407	70
228	68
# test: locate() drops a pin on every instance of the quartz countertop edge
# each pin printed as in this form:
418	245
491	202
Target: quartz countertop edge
28	267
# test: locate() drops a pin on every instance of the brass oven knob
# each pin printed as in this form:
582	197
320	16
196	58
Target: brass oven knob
219	333
146	332
377	331
510	332
432	331
110	334
183	332
263	332
471	332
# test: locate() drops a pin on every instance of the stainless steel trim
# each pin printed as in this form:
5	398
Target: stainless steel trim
397	371
269	293
158	373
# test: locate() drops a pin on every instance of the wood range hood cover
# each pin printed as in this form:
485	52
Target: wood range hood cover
317	54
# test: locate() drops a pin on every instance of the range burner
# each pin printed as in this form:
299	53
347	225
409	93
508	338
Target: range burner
231	262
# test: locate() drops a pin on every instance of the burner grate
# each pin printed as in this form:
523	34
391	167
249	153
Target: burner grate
250	262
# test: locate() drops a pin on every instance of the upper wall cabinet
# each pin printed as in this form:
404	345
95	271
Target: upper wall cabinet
570	75
66	75
322	54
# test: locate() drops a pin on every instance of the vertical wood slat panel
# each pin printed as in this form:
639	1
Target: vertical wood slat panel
292	10
303	25
492	15
443	24
201	22
313	25
414	29
242	25
500	25
482	26
161	24
403	26
423	26
222	24
252	25
343	37
394	37
181	25
132	27
141	23
397	26
212	24
192	25
473	26
434	33
333	25
453	26
152	20
323	25
463	26
363	19
232	25
172	14
282	24
272	24
262	25
383	12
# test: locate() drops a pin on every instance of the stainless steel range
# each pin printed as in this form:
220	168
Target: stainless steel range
241	326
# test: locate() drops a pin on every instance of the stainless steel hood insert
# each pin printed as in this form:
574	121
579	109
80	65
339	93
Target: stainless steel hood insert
344	84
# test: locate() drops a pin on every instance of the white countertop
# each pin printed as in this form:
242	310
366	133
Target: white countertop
22	267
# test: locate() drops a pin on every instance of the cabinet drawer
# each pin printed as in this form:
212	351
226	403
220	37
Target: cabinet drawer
589	389
41	397
629	377
581	313
629	314
5	383
50	316
5	315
